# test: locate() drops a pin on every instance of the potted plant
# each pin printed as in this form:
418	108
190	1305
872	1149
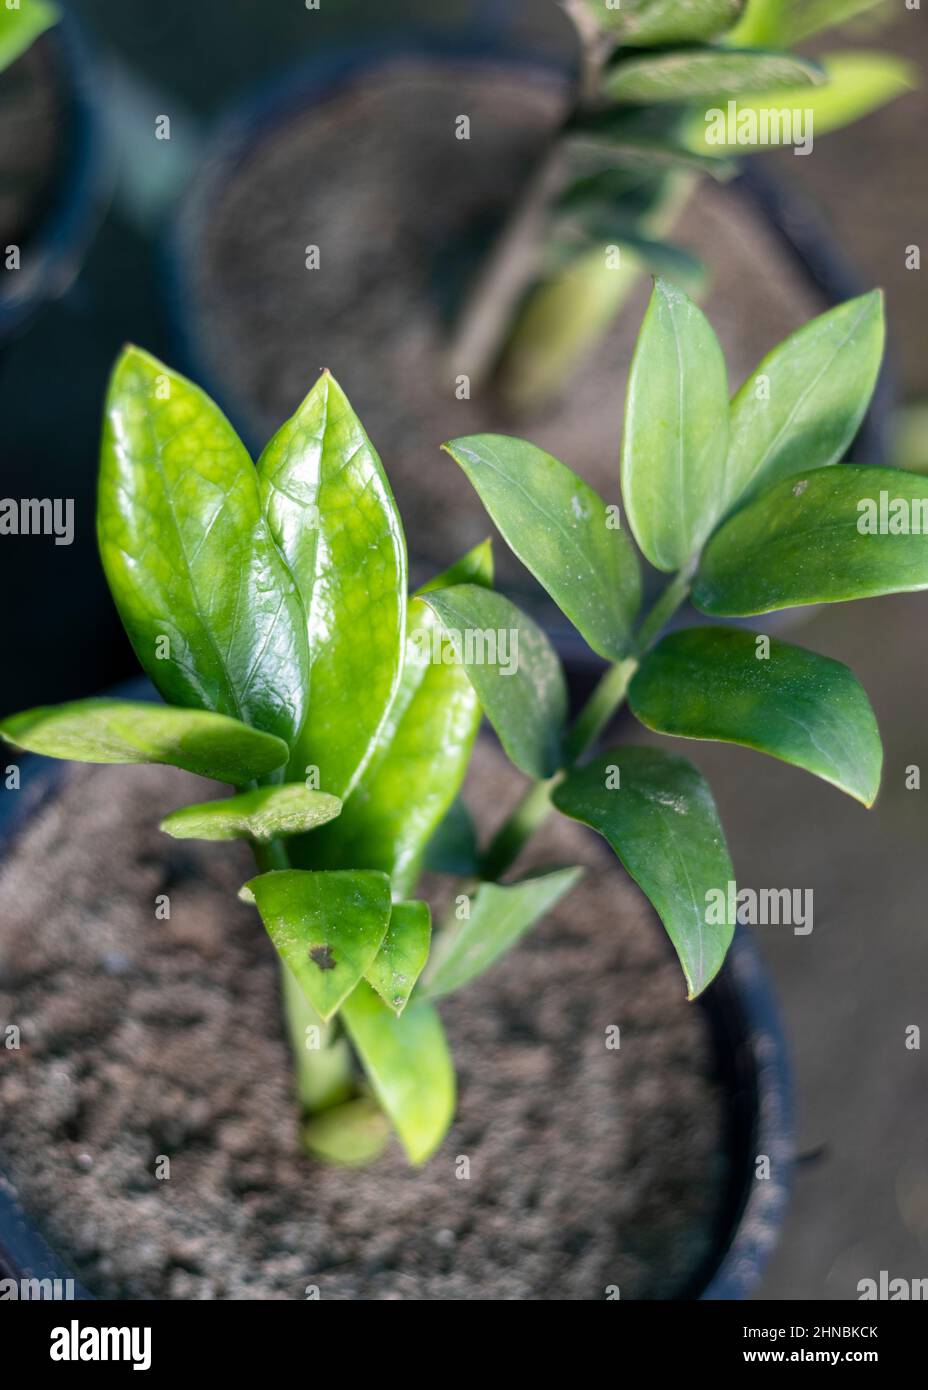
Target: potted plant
268	606
486	212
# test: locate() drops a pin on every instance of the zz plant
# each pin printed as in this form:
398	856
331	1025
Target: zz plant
656	78
268	605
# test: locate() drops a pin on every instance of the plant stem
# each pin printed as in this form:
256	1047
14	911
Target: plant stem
607	698
322	1056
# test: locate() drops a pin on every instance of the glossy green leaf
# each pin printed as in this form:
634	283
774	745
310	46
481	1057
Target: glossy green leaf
399	962
856	84
719	683
409	1067
561	530
420	759
806	540
327	926
257	815
657	813
134	731
332	513
802	406
204	594
499	915
512	667
676	430
353	1134
453	847
647	22
20	27
687	74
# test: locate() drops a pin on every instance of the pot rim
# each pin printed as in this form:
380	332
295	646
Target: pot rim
750	1061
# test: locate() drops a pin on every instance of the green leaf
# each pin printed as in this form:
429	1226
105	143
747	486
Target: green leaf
328	926
657	813
647	22
559	527
398	964
332	513
715	683
204	594
512	667
409	1066
453	847
788	22
420	759
19	28
800	543
802	406
676	430
258	815
352	1134
134	731
499	915
856	83
687	74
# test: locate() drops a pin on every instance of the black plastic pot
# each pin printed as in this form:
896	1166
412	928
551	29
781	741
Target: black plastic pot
750	1063
80	188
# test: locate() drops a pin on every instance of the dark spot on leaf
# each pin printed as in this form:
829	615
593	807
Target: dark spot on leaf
322	956
800	488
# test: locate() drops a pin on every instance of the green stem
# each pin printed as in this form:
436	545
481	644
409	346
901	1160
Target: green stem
322	1056
607	698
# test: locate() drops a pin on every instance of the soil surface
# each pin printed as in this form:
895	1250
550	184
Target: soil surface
377	180
143	1038
30	142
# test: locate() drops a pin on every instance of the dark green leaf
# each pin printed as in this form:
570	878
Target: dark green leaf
409	1066
802	406
560	529
332	513
676	430
658	814
398	964
647	22
134	731
727	684
258	815
513	668
800	542
498	915
687	74
420	759
453	847
328	926
204	594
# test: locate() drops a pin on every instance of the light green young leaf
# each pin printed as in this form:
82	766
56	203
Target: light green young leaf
421	756
398	964
257	815
332	513
352	1134
714	683
785	23
688	74
652	22
561	530
499	915
676	430
204	594
657	813
821	537
856	83
409	1067
327	925
512	667
134	731
802	406
20	27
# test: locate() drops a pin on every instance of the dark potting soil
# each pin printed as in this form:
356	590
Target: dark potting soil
30	142
375	178
142	1038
